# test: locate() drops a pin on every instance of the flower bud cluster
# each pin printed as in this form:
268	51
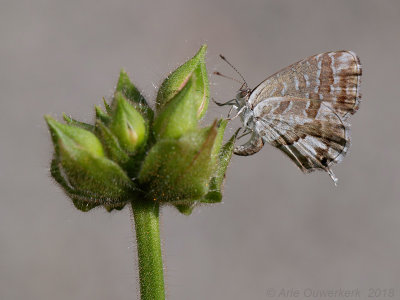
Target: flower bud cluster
132	154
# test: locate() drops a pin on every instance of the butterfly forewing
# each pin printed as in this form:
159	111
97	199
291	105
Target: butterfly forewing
332	76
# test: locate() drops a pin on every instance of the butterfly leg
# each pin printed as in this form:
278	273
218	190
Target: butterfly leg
245	132
238	113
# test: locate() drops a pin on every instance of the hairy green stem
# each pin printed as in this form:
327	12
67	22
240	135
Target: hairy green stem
146	216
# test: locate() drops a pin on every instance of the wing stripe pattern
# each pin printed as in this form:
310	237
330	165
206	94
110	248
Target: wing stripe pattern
308	131
332	76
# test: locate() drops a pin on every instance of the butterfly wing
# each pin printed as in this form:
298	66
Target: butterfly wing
332	77
314	137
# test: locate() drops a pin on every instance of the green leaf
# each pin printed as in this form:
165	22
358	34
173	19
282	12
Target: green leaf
107	106
83	205
221	125
76	123
186	209
101	115
110	208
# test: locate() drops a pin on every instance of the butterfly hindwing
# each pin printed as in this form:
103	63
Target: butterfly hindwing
313	136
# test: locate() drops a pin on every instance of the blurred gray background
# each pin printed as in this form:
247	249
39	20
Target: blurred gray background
276	227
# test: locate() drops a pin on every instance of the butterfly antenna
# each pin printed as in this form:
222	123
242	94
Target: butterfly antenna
228	77
224	59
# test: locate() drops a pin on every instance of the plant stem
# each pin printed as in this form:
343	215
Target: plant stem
146	216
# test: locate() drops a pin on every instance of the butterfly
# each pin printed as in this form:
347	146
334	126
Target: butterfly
303	110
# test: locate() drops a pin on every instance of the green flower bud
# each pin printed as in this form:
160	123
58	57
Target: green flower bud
222	159
127	124
126	88
179	170
71	140
179	116
111	144
82	169
194	69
